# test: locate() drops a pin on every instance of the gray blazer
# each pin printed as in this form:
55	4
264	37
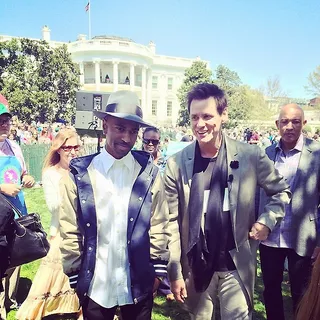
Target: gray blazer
305	197
254	169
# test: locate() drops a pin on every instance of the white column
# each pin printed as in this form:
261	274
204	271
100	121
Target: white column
149	93
115	75
132	65
81	67
144	89
97	74
175	111
162	108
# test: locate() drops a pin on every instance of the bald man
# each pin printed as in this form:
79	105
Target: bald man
297	158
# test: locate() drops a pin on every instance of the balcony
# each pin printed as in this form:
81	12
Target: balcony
110	45
123	82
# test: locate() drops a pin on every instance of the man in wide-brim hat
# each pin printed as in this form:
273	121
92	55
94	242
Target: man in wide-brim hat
114	220
122	108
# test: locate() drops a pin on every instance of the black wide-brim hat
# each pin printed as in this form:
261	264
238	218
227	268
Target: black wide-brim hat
125	105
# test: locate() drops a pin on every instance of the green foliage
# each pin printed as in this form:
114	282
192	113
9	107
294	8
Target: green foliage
197	73
307	128
39	82
227	80
258	107
238	103
314	82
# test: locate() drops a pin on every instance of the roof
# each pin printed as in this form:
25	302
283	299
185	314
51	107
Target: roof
113	38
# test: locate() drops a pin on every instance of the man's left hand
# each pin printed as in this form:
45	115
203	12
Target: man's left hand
315	254
156	285
259	231
28	181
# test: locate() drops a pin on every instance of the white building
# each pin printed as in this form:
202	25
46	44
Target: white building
109	64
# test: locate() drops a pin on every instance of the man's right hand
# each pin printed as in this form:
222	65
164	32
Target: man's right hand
178	288
10	189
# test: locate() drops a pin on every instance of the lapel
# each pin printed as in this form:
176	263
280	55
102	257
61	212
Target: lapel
304	163
140	189
271	152
190	155
233	178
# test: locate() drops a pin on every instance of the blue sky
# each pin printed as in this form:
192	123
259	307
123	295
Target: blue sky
257	39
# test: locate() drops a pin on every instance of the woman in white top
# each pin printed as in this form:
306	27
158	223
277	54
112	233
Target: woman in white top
50	293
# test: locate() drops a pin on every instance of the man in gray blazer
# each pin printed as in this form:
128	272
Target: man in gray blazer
210	187
298	159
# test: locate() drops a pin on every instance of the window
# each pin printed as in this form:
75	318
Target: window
154	107
138	80
170	83
169	109
154	82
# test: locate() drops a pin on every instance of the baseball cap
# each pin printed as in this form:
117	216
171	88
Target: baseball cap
4	110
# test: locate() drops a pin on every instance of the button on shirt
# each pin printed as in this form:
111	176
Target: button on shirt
287	165
112	182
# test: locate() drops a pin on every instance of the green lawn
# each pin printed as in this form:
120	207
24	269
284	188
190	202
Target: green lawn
162	310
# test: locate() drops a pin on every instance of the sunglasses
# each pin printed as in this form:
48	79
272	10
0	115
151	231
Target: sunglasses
70	148
152	141
5	121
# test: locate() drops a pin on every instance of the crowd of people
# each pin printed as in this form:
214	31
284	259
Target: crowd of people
34	133
130	222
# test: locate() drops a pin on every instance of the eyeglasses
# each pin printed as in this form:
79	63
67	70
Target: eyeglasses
70	148
5	121
152	141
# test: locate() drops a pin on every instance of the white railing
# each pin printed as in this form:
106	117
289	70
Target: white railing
174	61
110	44
89	80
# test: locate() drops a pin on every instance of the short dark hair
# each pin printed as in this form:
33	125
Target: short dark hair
204	91
153	129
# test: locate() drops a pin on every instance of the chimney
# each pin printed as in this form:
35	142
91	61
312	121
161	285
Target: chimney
81	37
152	47
46	33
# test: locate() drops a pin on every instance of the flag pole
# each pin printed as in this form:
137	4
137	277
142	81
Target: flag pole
89	20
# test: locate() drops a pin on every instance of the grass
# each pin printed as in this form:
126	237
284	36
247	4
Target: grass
162	309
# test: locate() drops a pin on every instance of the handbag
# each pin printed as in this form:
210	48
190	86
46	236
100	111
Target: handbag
30	241
7	234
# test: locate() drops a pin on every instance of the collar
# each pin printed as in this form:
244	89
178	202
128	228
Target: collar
298	146
109	160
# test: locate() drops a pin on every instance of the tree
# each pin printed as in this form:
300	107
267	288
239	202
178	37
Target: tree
197	73
274	94
314	82
39	82
273	88
238	104
258	109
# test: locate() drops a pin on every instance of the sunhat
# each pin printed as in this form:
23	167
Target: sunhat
123	104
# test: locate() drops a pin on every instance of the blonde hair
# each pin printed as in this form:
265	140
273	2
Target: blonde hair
53	157
309	306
